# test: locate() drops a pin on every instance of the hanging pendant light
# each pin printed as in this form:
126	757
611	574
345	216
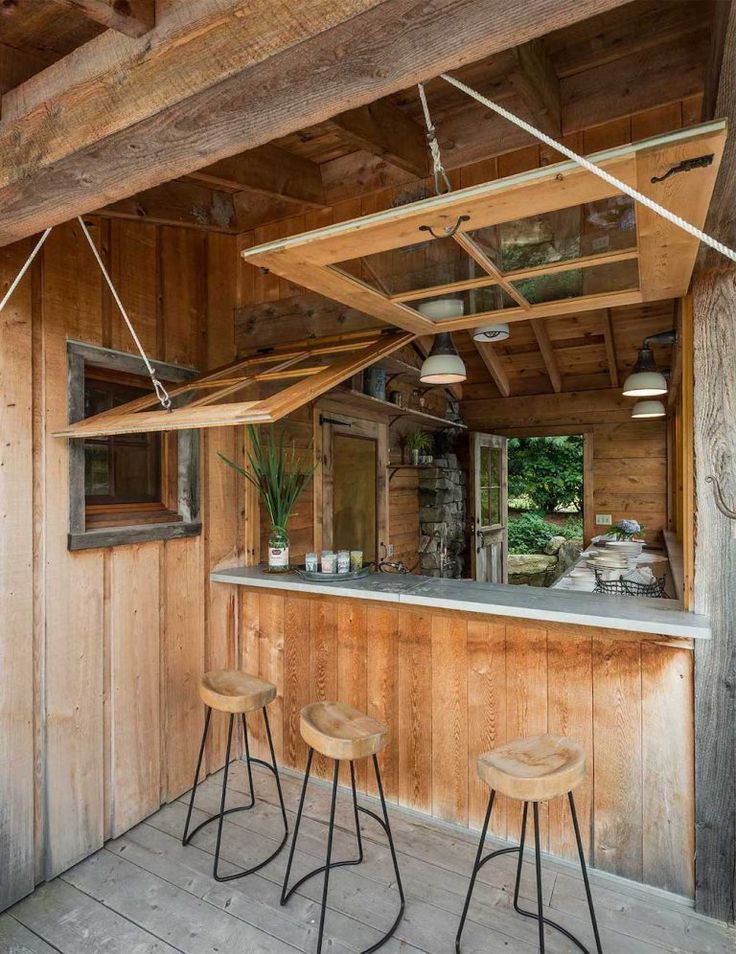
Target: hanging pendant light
443	365
646	409
492	333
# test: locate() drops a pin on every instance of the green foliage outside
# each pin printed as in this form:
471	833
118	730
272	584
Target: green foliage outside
530	533
548	471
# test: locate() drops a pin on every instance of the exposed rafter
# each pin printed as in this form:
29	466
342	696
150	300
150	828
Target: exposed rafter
548	355
610	343
538	87
178	203
269	171
131	17
490	359
223	84
384	130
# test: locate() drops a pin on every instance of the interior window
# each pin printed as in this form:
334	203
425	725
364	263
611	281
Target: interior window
354	494
124	473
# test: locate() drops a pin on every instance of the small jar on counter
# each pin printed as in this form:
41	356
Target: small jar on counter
329	562
343	561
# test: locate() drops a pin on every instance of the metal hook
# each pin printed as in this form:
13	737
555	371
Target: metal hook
718	495
449	231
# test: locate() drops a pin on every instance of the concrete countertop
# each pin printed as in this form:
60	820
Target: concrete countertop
632	614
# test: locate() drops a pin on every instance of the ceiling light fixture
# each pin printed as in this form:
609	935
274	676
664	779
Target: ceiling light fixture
646	409
492	333
443	365
646	380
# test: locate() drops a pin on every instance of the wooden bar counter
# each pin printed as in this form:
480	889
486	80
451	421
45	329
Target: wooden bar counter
455	668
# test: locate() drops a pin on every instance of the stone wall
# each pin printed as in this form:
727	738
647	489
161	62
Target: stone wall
442	522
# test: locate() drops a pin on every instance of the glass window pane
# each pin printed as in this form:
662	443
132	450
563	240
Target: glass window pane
618	276
475	301
96	469
589	229
354	521
423	265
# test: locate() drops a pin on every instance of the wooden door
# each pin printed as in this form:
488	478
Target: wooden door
489	507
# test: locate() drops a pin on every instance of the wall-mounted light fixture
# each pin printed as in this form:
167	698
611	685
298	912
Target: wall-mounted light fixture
646	380
646	409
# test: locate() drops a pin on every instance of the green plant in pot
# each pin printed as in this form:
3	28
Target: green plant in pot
279	475
416	444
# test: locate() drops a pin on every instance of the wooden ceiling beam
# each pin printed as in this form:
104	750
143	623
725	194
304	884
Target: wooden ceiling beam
385	131
267	170
131	17
186	204
491	360
123	117
538	87
548	355
610	343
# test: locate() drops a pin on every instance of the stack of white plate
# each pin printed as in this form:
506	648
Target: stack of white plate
628	548
581	578
609	565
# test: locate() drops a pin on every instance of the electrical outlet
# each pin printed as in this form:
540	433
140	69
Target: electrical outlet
603	519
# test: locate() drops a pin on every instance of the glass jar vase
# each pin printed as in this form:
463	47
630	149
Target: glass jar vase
278	550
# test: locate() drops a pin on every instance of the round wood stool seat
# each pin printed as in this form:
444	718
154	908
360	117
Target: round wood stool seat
231	690
534	769
341	732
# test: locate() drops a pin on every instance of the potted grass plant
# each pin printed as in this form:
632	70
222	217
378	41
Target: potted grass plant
417	443
279	474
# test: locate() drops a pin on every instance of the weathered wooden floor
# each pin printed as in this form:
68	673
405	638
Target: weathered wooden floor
145	893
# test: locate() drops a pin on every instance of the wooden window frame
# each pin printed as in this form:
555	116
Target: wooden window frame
664	253
180	489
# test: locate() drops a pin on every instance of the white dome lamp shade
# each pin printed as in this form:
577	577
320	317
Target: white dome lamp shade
443	365
492	333
646	380
648	409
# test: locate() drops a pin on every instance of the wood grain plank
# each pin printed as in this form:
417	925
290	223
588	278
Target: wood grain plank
526	703
297	676
617	727
449	718
668	759
570	713
135	730
323	664
382	641
414	730
486	714
271	662
352	661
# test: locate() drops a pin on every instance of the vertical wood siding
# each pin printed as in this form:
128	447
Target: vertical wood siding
101	650
450	686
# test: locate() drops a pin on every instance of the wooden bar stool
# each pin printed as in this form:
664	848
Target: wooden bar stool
236	693
532	770
344	734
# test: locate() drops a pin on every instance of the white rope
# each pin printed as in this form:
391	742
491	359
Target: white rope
438	170
161	393
591	167
21	273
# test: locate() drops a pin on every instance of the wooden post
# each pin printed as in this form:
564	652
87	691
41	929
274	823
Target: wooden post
714	314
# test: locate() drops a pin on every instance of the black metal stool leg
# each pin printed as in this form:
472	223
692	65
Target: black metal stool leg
223	796
522	841
285	892
476	869
220	816
538	867
328	860
355	814
186	837
584	869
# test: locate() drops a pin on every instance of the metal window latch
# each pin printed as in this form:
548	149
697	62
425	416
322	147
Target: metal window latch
448	231
700	162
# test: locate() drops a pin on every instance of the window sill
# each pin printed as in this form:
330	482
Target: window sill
121	536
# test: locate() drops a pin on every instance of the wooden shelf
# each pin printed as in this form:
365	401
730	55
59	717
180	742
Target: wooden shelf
365	402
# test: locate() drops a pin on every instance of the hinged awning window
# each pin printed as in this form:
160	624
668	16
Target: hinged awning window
260	388
545	242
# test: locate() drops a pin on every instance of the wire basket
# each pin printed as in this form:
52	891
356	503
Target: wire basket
622	587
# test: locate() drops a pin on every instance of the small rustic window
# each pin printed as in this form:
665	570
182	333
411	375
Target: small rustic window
126	488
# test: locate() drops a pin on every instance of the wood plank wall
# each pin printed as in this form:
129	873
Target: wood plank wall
101	650
453	685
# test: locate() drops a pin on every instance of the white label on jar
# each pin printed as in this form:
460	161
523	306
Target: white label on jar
278	556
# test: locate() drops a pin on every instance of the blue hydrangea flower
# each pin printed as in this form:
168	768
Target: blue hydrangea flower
629	526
